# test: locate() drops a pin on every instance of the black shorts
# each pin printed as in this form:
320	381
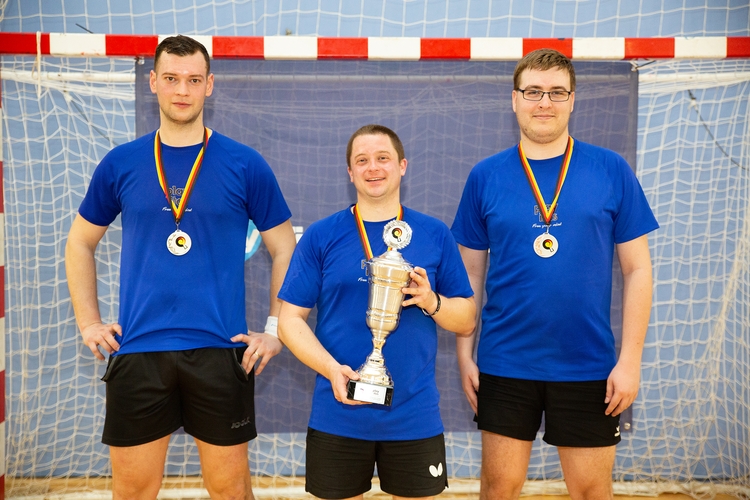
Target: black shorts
341	467
150	395
573	411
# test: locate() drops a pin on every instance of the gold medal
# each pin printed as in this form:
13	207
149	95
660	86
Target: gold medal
179	243
399	237
545	245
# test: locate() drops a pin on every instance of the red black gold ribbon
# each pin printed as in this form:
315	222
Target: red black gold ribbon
179	209
363	234
547	213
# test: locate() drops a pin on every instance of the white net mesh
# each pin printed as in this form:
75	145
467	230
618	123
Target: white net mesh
398	18
691	423
693	155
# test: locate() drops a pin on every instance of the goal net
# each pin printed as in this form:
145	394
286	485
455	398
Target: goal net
690	426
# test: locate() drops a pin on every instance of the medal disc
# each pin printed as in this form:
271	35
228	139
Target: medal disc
179	243
397	234
545	245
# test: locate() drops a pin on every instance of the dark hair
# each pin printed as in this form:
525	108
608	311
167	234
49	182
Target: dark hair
181	45
544	59
374	129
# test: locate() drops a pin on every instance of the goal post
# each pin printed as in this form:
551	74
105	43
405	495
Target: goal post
69	99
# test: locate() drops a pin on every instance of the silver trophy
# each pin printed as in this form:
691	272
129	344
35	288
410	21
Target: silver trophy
387	275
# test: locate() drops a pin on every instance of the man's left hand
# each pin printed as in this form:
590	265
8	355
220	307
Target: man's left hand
622	388
261	347
420	291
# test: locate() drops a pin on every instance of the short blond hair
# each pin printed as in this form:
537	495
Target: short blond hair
544	59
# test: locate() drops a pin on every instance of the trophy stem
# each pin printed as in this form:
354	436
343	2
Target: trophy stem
378	341
373	370
375	358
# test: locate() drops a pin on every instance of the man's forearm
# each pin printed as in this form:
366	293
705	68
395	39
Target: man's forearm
465	347
280	242
636	302
278	271
80	268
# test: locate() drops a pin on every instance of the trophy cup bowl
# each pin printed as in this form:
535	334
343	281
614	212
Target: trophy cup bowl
387	275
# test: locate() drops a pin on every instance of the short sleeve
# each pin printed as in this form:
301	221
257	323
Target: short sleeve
304	277
101	205
469	227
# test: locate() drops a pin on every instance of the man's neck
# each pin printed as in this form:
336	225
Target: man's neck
378	211
542	151
173	134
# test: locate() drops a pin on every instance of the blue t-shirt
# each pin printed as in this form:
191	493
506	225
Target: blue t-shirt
549	318
326	270
197	300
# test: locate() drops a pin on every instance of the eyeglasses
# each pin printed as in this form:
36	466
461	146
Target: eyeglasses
538	95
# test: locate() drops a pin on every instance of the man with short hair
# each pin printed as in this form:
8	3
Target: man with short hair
549	214
185	194
346	438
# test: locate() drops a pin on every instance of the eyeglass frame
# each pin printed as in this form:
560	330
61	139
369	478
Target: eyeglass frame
523	94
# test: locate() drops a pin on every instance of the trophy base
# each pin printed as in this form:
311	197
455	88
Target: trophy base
369	393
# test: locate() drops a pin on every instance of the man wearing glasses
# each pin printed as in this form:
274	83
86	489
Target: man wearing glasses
550	211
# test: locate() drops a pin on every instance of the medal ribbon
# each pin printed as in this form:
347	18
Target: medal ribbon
363	233
547	213
178	210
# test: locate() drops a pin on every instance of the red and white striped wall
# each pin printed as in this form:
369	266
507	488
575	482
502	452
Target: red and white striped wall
380	48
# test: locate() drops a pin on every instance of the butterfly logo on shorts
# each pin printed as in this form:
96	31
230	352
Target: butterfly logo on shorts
436	471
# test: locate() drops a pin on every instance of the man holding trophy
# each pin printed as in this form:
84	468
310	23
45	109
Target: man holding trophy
377	272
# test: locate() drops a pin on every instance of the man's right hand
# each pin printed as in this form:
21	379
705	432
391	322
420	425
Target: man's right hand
469	381
99	335
339	376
